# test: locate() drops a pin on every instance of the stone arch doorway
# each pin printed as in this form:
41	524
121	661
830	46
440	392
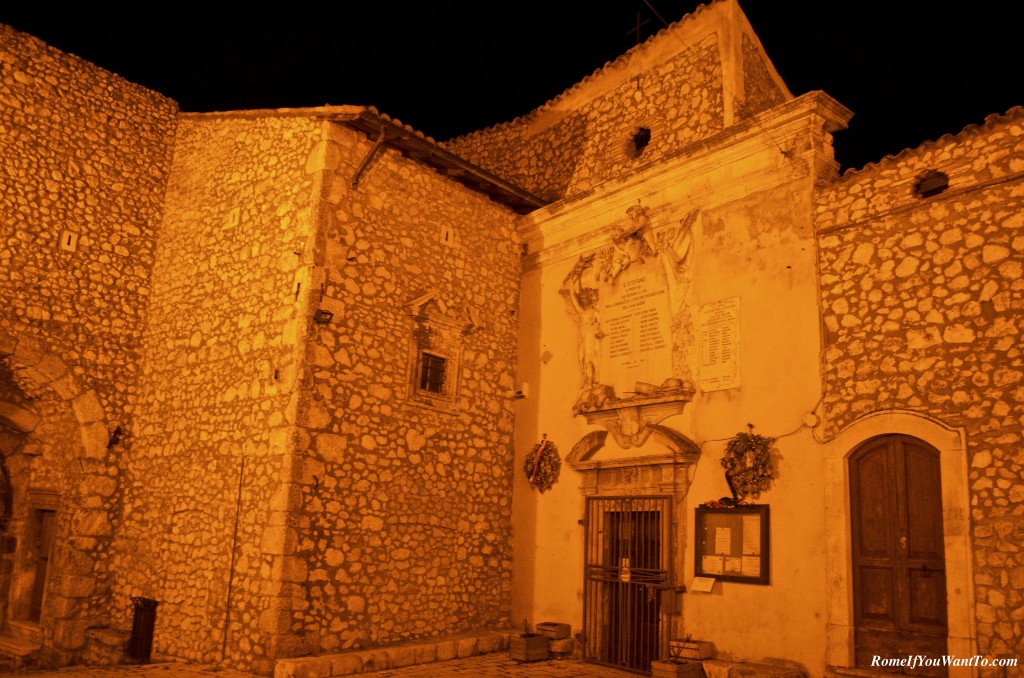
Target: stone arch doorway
58	449
897	550
950	443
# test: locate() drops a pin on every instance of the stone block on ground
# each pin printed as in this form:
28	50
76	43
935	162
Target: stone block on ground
677	669
563	647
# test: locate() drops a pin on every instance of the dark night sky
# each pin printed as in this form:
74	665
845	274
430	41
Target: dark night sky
910	71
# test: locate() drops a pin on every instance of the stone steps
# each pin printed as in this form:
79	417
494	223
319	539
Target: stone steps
17	653
25	630
105	646
393	656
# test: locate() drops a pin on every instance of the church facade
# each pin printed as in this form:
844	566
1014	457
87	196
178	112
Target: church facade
309	381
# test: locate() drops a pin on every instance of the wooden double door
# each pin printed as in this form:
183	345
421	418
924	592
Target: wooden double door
899	574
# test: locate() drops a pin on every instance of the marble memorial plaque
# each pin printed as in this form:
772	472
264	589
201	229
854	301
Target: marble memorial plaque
637	323
719	345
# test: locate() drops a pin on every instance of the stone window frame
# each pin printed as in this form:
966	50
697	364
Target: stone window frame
435	332
434	373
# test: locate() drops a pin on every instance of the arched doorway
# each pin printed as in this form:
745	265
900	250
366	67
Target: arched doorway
58	451
897	551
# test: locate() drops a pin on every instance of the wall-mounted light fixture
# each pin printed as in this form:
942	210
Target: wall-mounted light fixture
322	317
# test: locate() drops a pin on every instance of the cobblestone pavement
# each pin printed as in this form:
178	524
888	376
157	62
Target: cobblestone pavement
155	670
494	665
498	665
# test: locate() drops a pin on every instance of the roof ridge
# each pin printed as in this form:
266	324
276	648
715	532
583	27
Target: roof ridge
990	121
594	75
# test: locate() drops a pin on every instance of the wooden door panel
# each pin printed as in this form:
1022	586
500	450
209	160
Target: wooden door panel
897	550
873	505
924	506
869	643
46	521
927	600
876	605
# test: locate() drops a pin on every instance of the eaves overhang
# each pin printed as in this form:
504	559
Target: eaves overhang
388	133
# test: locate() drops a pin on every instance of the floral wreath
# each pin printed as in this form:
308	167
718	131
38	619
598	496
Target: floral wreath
748	463
542	465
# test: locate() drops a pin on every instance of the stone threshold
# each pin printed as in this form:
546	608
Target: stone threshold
396	656
17	653
25	630
717	668
17	647
850	672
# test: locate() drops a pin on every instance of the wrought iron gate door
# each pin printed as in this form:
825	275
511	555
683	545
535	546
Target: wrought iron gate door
627	551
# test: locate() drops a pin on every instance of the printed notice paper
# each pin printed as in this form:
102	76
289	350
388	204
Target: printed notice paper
751	566
752	535
702	584
723	540
712	564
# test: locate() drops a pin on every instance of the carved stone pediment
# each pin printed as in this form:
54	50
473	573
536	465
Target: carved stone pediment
666	473
631	420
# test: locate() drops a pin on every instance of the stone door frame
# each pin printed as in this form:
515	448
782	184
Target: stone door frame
952	447
26	584
646	475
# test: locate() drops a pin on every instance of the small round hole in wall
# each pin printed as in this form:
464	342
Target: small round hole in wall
639	141
931	183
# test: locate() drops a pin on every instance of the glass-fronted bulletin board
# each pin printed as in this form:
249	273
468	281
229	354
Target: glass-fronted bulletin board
732	544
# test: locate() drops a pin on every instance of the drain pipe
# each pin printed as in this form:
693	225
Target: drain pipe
231	570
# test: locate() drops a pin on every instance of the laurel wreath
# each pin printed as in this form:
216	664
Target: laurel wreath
543	465
748	463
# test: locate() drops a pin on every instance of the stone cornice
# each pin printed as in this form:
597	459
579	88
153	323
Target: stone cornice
554	232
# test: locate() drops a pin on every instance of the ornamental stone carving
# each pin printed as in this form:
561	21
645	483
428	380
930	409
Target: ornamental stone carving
629	301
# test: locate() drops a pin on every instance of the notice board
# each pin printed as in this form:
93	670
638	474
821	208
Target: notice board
733	544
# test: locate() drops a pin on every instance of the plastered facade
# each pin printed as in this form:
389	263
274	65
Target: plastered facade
218	383
752	240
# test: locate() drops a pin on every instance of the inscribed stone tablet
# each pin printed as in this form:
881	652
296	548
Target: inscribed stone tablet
719	345
637	325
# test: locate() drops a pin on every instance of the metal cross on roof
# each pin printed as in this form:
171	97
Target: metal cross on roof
639	25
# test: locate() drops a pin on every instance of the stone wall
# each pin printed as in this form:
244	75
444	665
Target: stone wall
85	152
405	508
219	363
565	148
84	165
921	301
760	91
